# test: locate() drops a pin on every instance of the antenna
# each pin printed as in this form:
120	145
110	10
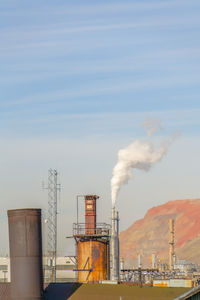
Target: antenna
53	190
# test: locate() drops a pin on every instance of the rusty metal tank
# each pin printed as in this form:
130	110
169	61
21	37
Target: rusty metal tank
92	260
25	254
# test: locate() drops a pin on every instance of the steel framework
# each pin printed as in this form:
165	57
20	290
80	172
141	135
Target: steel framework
53	189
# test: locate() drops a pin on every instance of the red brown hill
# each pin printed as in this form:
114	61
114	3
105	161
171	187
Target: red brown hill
151	234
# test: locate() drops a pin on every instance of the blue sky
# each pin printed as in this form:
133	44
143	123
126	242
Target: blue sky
77	78
95	57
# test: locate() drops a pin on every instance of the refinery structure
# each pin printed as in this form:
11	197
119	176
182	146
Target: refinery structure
27	271
92	245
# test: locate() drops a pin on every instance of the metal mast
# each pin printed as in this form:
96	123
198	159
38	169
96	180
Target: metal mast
53	189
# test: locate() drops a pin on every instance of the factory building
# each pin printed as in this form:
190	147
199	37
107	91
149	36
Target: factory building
4	269
64	265
64	269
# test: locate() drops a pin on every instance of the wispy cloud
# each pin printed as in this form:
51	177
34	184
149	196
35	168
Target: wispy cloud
120	7
97	57
57	29
154	60
106	88
94	7
105	124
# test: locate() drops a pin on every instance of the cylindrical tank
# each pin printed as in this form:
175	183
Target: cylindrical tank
92	260
25	254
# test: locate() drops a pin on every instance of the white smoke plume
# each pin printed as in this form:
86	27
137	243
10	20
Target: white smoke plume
138	155
151	125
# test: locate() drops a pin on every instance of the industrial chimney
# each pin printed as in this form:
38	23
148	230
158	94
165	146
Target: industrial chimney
122	274
171	245
153	261
90	214
114	247
25	254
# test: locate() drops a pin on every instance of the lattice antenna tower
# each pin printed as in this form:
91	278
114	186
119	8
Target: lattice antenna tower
53	194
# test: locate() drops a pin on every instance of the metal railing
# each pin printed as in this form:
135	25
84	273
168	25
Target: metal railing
101	229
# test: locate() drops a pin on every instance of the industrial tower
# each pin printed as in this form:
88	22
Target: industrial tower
53	189
114	247
92	245
171	245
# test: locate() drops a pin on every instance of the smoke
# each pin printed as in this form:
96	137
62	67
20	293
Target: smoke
138	155
151	126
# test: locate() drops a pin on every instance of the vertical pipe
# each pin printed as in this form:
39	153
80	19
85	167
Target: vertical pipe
55	222
108	260
117	241
153	261
140	276
25	254
122	268
121	263
77	211
76	247
171	244
139	261
114	247
113	221
117	223
90	214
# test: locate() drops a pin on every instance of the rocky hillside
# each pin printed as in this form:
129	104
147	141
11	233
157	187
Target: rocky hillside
151	234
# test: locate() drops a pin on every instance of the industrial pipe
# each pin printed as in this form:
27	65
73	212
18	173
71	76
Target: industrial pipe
171	244
25	254
114	247
90	214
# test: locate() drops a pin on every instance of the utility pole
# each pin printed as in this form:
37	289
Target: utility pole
53	189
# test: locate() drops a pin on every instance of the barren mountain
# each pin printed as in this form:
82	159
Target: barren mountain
151	234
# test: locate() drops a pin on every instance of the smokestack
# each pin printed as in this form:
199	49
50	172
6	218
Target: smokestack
171	245
153	261
114	249
90	214
118	256
122	268
139	261
25	254
121	263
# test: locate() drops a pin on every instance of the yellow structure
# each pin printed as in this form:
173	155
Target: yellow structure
186	283
92	260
